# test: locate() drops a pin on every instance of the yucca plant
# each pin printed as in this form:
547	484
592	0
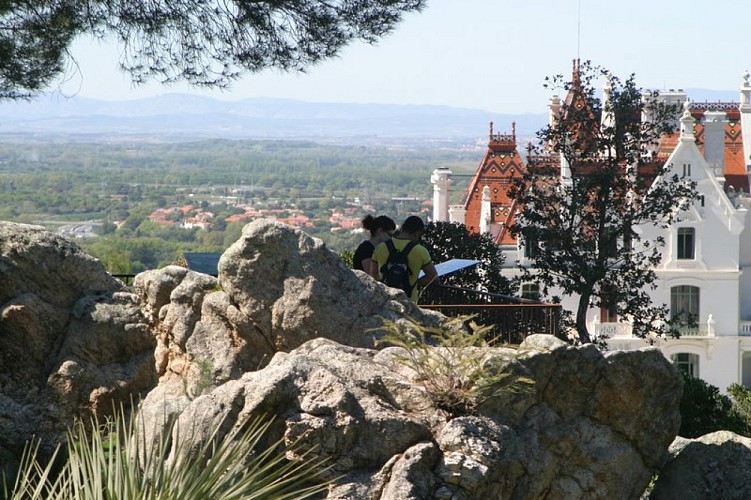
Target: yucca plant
114	461
452	364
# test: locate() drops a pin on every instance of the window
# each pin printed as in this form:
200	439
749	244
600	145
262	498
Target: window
608	314
608	309
628	239
609	243
746	368
686	170
531	291
687	363
684	304
530	248
686	239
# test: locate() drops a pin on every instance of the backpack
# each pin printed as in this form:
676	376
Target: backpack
396	269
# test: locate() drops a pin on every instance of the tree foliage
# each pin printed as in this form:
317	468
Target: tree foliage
203	42
451	240
705	409
587	188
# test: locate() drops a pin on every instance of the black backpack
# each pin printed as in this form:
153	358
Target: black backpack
396	269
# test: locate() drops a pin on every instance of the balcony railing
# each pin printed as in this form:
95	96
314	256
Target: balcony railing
623	330
611	330
511	318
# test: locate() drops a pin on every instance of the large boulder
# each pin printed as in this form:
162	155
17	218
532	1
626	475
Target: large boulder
713	466
593	425
277	288
72	339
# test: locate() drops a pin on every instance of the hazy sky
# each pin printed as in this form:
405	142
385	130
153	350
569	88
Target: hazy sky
491	54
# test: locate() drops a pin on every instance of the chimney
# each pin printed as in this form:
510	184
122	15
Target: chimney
714	141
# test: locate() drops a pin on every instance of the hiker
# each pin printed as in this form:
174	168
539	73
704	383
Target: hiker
381	229
386	260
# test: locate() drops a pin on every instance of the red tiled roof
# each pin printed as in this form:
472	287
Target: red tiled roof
500	164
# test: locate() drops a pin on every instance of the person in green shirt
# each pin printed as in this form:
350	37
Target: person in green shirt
418	258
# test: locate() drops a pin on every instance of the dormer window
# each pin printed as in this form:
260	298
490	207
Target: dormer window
686	243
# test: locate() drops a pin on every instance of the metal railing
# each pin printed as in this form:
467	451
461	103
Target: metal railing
511	318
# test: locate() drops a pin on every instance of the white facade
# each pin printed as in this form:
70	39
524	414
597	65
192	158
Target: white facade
702	258
706	264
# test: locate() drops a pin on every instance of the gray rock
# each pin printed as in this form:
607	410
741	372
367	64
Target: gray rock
714	466
277	288
295	289
287	330
72	340
384	438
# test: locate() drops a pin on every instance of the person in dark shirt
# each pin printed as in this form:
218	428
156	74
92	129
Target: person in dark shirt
381	228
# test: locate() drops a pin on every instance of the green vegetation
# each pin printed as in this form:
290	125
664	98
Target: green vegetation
451	240
120	185
112	460
741	396
704	409
456	373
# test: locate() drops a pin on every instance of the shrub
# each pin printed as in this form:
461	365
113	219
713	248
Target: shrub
704	409
111	461
453	364
347	255
741	396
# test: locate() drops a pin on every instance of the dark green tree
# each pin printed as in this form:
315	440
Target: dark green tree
451	240
704	409
741	396
587	187
203	42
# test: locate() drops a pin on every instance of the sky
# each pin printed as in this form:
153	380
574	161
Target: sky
488	54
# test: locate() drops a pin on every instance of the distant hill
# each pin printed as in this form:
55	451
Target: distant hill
185	116
201	117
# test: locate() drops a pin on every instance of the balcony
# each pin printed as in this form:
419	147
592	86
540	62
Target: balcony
623	330
512	318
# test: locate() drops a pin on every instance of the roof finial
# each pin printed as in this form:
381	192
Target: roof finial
687	122
513	131
491	129
575	79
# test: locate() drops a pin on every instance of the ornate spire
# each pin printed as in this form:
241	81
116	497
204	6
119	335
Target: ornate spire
575	74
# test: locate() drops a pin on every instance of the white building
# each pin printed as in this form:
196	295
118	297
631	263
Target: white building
706	264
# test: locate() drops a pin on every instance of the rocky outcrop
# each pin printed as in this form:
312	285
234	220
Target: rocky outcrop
286	330
277	288
72	340
714	466
593	426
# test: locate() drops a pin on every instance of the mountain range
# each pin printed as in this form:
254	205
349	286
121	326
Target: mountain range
186	117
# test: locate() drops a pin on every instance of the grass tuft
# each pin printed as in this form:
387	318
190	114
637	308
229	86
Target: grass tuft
112	460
